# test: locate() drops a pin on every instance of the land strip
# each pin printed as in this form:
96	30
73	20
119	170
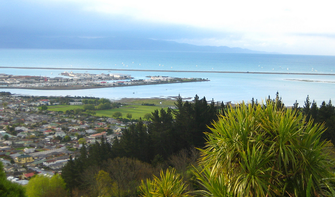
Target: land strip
186	71
74	81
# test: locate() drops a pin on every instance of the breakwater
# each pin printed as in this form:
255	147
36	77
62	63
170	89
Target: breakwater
180	71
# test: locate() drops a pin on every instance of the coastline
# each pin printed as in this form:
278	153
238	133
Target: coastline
94	87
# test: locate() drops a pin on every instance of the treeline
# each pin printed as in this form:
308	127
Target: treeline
99	104
149	147
325	114
5	94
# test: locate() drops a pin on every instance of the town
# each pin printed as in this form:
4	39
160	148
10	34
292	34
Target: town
36	141
84	81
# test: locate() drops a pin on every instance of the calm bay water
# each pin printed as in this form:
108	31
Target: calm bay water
221	87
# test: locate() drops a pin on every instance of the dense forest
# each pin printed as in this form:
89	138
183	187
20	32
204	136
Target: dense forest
201	148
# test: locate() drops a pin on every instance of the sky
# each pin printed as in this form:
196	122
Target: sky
286	26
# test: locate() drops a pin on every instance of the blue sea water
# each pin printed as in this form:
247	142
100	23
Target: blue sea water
234	87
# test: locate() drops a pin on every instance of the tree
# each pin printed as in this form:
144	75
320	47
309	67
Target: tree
82	141
129	116
90	112
127	175
295	105
88	107
266	151
306	108
4	104
44	107
41	185
104	184
6	137
103	106
192	120
104	101
67	138
70	174
117	115
147	116
7	188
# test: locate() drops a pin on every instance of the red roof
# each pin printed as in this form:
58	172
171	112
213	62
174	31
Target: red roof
28	175
98	134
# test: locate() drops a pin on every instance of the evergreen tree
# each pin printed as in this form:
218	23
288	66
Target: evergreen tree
161	131
295	105
306	108
314	110
192	120
70	174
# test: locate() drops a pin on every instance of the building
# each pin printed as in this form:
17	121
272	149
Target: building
23	159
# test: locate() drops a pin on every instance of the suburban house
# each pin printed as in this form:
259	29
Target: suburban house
97	137
23	159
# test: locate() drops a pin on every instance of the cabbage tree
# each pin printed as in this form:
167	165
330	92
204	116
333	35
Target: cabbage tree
265	150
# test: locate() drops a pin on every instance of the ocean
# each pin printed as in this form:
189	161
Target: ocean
226	87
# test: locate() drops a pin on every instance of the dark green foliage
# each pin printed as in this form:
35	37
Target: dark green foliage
71	174
95	155
325	114
165	135
117	115
192	120
162	133
306	108
295	105
88	107
135	143
8	188
104	106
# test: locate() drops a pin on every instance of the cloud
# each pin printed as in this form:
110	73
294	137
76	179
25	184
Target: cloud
322	35
282	26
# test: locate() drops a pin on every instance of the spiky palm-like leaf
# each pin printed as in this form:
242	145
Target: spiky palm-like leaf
169	184
268	151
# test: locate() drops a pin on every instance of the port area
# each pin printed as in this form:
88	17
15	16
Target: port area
73	81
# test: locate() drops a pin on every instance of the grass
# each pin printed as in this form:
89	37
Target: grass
63	108
157	101
20	148
137	111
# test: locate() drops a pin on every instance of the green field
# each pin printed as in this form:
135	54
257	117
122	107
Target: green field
63	108
157	101
137	111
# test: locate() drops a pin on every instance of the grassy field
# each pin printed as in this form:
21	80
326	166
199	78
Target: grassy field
157	101
133	107
63	108
137	111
